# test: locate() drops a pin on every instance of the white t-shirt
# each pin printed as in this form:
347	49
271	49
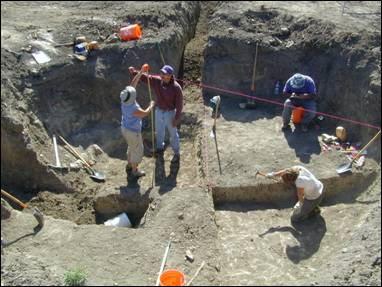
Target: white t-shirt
312	186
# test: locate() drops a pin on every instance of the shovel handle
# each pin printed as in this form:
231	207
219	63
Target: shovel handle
369	143
254	69
216	113
76	153
23	205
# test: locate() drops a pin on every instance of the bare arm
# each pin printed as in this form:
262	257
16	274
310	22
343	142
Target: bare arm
305	96
281	172
140	113
300	194
135	80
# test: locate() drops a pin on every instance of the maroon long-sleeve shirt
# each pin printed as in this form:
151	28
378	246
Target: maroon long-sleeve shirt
169	96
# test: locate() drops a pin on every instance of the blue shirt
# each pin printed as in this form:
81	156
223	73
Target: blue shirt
129	121
308	88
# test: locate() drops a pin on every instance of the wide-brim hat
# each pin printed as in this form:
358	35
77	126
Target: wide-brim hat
128	95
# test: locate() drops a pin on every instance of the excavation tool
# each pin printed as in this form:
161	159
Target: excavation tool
196	273
146	69
160	52
69	44
163	262
36	213
346	167
213	132
96	175
58	163
251	102
215	101
263	174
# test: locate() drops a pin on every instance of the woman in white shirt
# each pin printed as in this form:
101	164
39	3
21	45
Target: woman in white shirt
309	190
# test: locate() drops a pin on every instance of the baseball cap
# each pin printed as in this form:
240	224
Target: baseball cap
167	70
297	81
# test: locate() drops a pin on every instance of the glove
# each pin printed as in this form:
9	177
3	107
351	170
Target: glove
270	174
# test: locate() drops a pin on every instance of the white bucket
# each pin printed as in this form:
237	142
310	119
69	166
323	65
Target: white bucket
119	221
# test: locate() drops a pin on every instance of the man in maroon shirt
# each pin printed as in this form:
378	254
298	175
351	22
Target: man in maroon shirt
169	105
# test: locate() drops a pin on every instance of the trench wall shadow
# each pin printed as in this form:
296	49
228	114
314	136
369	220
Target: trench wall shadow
230	110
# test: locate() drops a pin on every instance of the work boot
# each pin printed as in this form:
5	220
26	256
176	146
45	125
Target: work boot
314	212
317	210
286	127
159	152
176	158
138	173
128	169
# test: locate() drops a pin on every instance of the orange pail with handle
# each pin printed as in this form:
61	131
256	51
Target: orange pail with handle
297	115
171	277
131	32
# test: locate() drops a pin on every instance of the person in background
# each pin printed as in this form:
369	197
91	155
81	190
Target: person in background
301	92
131	126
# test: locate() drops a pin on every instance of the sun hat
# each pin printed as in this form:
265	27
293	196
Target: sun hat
128	95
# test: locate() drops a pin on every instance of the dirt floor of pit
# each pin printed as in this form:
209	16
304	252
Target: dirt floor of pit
233	249
260	247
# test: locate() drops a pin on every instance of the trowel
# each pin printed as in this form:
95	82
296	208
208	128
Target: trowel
346	167
96	175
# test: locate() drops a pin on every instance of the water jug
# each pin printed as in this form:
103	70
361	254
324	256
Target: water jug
277	88
81	49
297	115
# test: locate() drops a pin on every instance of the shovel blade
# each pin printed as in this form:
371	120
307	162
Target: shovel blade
98	176
212	135
343	168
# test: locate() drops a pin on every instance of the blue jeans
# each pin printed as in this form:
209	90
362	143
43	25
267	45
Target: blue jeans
289	104
163	120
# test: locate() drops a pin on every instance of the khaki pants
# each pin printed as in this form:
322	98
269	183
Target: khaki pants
135	146
307	207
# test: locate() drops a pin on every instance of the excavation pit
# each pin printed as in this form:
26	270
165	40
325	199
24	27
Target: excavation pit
127	201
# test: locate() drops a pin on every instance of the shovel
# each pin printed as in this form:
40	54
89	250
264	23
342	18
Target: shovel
343	168
58	162
97	175
213	131
251	104
36	213
216	100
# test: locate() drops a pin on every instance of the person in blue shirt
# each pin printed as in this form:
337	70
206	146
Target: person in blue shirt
301	92
131	126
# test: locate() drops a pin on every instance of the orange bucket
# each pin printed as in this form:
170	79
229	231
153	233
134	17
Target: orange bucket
171	277
131	32
297	115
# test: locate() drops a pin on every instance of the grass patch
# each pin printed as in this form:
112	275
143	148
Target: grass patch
75	277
